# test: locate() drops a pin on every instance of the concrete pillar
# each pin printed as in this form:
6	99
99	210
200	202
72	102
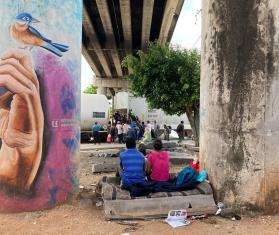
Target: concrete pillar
101	90
113	103
240	101
40	143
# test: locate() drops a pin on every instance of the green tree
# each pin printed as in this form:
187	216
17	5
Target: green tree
90	90
169	79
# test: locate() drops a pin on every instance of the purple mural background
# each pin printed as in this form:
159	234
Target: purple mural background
59	80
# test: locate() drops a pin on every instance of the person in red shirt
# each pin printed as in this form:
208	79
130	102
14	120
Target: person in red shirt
158	162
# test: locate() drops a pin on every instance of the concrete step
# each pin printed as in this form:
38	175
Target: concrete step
118	203
159	207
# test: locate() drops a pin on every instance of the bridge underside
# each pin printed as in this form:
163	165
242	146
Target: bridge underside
113	29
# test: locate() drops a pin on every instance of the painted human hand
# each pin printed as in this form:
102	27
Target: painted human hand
21	121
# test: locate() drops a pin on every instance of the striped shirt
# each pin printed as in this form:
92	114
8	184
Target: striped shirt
133	163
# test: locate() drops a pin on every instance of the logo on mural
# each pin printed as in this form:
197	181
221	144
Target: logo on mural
21	113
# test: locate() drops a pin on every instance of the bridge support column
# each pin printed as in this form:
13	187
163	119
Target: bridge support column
240	101
38	167
101	90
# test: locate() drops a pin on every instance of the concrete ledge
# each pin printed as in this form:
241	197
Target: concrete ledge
111	83
177	158
104	167
158	207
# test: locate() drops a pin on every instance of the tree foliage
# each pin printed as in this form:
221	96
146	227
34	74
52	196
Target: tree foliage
169	79
90	90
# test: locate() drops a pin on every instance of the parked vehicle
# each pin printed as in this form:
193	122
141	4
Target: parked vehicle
94	108
139	107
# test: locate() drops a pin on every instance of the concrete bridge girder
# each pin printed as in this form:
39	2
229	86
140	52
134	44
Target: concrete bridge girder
113	29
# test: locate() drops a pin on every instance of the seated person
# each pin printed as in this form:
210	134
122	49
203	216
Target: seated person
158	163
132	164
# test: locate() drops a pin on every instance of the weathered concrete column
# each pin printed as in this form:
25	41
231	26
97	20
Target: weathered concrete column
101	90
240	101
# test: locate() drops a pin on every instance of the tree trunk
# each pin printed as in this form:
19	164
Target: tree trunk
194	119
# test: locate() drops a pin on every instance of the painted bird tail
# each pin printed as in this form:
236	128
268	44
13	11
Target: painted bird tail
51	48
55	48
60	47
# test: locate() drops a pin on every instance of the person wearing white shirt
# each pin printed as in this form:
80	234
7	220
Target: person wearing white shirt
125	127
119	132
149	126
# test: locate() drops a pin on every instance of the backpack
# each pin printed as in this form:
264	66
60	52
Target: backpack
109	138
187	178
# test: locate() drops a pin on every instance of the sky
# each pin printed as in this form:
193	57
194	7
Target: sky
187	34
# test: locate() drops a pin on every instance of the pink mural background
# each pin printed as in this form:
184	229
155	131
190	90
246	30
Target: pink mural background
56	178
59	79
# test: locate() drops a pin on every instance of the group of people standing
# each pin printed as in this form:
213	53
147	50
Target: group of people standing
122	127
137	130
118	131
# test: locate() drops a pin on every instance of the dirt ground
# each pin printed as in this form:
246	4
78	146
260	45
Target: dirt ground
85	218
82	219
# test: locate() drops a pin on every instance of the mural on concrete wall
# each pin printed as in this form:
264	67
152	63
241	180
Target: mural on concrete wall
39	102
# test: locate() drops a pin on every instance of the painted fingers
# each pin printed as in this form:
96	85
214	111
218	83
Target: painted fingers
17	66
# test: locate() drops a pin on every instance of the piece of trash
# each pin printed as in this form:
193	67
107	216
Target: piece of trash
236	217
197	217
132	228
177	218
99	204
220	206
127	222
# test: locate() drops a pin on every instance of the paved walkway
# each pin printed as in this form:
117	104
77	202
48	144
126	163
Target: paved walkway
90	146
86	147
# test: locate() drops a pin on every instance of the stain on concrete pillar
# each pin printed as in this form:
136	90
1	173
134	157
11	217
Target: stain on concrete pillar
238	73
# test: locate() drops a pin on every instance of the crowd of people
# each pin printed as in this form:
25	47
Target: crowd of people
142	173
124	126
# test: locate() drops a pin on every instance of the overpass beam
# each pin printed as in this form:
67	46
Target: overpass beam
106	20
94	42
90	61
146	22
171	14
125	9
111	83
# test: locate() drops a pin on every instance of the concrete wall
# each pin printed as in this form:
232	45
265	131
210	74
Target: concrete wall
140	108
240	101
91	103
39	103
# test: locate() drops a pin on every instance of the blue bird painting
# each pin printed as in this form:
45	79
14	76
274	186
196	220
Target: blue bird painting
22	31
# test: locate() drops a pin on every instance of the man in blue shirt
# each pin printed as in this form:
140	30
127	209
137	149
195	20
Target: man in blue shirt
132	131
96	135
132	163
